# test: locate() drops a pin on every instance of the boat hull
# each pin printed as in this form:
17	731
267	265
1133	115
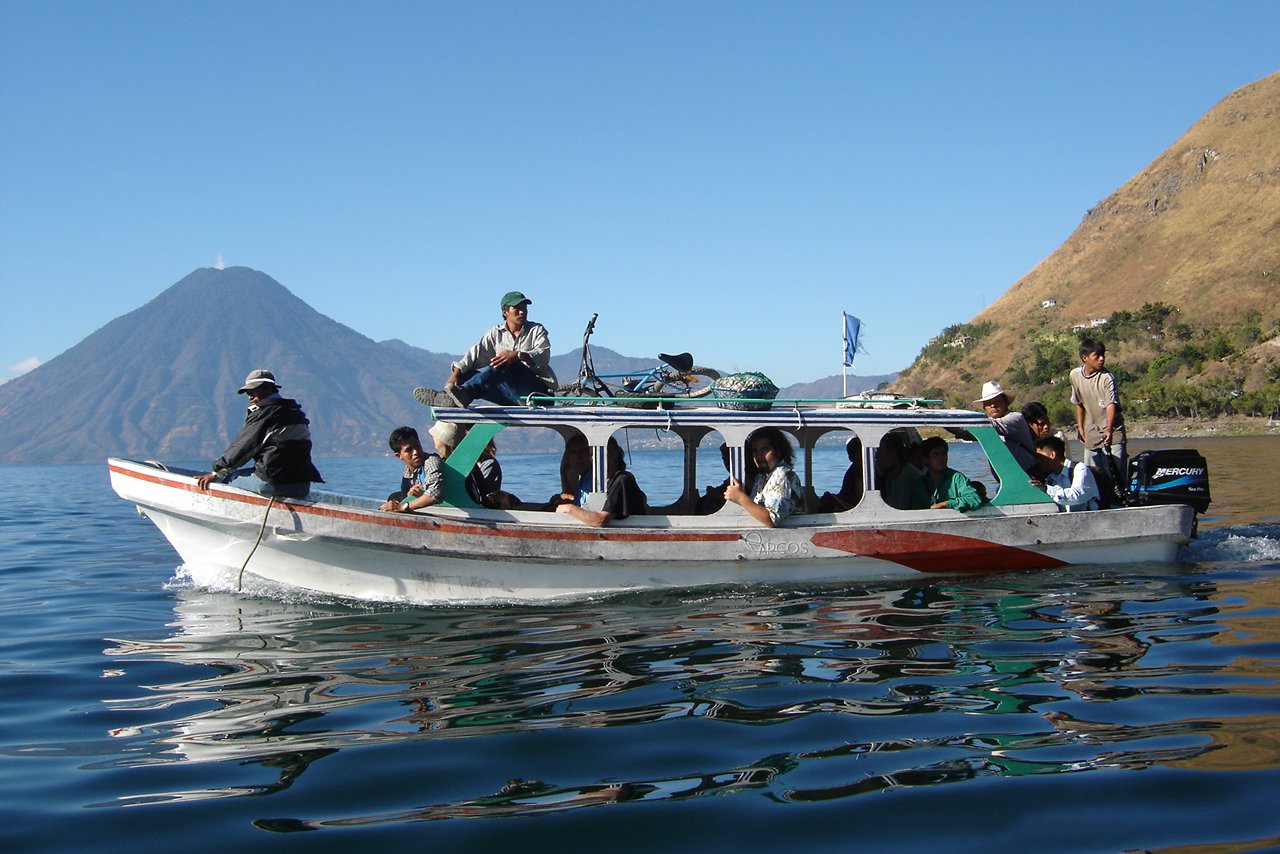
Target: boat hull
455	556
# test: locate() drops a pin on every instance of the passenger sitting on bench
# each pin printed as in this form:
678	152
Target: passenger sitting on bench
423	482
776	492
484	482
942	486
851	487
1071	485
895	477
623	496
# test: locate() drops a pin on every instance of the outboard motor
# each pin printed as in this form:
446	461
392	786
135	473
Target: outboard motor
1170	477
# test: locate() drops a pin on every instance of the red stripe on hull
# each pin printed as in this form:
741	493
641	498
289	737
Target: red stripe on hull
448	526
926	551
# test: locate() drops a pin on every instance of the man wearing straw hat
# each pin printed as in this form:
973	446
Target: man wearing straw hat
1011	426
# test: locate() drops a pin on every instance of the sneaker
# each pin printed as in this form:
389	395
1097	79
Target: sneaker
431	397
459	395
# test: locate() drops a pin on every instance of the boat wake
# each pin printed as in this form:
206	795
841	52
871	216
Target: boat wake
1256	543
220	579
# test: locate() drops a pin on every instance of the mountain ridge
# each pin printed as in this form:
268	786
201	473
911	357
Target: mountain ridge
160	381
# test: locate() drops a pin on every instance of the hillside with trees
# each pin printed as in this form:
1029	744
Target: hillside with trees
1177	272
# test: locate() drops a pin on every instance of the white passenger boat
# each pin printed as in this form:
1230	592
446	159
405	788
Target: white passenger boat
458	552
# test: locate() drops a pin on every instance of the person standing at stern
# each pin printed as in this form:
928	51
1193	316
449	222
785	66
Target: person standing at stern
1099	421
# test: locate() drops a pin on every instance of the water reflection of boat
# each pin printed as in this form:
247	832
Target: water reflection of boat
345	546
867	690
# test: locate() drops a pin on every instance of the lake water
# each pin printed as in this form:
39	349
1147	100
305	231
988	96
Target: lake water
1090	709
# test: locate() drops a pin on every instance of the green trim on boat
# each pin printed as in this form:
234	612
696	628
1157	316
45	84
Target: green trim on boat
1015	486
463	460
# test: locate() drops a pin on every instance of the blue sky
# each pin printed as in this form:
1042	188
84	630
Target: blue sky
720	177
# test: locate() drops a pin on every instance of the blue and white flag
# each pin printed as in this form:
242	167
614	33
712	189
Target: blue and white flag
852	328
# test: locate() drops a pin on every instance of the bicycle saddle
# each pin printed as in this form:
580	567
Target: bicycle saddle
682	362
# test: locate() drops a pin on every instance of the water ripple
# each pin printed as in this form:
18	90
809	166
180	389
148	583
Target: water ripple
1058	657
770	713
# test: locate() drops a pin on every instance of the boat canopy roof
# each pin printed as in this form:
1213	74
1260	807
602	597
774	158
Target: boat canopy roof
782	415
599	421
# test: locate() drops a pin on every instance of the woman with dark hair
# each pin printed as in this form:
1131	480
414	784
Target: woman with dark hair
776	492
575	474
575	471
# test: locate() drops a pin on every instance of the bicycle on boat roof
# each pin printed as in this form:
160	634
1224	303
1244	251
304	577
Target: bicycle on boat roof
676	377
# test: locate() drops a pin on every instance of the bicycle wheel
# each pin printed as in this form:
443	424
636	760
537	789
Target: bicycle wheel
694	383
577	389
640	399
699	388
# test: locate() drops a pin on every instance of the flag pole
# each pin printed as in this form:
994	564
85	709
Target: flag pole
844	369
852	327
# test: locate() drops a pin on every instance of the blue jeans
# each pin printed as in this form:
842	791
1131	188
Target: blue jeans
250	481
281	490
508	385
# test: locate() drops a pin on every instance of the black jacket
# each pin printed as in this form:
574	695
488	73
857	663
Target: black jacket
277	435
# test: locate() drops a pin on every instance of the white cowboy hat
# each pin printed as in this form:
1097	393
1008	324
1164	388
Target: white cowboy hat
992	390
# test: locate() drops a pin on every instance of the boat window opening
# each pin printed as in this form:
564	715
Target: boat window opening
969	459
527	474
896	464
836	463
656	459
522	453
711	473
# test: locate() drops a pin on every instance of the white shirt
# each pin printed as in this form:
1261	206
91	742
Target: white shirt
533	346
1074	488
